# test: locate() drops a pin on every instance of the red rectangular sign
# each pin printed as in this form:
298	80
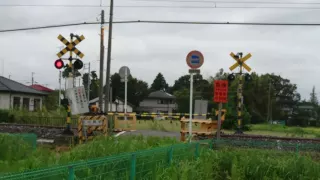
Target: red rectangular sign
220	91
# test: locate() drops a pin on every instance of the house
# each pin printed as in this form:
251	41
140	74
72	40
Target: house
158	102
16	95
41	88
117	105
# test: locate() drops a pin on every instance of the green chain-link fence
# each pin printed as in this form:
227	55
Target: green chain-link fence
144	164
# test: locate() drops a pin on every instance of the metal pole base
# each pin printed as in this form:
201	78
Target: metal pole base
68	131
239	131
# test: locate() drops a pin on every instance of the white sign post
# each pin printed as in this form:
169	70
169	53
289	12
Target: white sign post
194	61
124	72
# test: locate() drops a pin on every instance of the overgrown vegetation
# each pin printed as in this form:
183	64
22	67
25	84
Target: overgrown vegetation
243	164
99	147
13	147
219	164
40	117
292	131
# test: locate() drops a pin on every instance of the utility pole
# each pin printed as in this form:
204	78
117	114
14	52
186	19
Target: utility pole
89	82
101	61
269	103
59	88
32	79
109	58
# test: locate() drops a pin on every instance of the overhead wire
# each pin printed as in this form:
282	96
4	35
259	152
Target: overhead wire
214	6
233	2
166	22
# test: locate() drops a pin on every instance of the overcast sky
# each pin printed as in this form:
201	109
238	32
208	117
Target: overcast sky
151	48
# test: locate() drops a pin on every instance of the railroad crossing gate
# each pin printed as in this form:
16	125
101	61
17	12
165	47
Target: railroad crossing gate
71	46
120	124
240	62
90	126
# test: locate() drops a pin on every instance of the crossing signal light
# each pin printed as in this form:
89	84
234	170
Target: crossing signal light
78	64
247	77
231	77
58	64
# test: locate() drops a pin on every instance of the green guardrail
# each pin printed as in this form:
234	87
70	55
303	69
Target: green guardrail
143	164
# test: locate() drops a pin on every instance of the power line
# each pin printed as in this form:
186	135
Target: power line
234	2
167	22
214	6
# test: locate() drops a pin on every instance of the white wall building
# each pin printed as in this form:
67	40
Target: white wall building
17	95
158	102
116	106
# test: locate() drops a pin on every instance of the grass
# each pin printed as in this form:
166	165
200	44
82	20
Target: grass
257	129
222	164
99	147
287	131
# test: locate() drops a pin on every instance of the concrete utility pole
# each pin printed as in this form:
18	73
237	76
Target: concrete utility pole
269	104
101	61
89	82
109	58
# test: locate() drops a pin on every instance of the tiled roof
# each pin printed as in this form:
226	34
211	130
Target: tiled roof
161	95
41	88
8	85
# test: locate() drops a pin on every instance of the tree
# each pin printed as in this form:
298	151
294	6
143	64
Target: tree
137	89
313	97
52	100
94	84
202	89
66	71
159	83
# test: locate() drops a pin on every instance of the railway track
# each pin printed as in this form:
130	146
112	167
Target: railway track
270	138
34	125
48	130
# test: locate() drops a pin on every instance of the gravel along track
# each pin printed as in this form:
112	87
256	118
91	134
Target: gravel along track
272	138
40	131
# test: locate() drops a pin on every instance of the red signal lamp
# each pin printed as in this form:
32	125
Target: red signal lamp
58	63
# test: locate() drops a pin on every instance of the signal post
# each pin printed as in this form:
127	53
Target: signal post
220	96
240	62
78	64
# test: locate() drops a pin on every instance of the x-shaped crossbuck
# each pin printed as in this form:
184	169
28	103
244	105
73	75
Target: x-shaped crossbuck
71	46
240	62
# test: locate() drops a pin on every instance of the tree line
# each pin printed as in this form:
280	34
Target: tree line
266	96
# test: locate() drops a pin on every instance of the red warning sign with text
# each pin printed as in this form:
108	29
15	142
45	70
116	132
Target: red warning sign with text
220	91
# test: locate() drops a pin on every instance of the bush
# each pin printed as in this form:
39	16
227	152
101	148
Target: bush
13	147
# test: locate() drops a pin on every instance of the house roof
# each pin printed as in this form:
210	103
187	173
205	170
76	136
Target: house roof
41	88
161	95
8	85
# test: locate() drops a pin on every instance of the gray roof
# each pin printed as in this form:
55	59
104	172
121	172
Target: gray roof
8	85
161	95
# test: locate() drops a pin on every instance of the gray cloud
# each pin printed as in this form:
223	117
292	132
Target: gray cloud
151	48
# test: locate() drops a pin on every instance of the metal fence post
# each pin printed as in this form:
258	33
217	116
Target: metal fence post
197	150
170	154
211	144
71	173
133	167
297	149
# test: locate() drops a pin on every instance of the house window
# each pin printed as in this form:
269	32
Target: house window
16	102
36	104
26	103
